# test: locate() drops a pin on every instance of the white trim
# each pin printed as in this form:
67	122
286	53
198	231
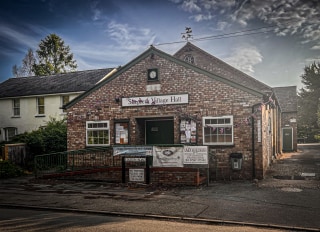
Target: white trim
98	129
218	125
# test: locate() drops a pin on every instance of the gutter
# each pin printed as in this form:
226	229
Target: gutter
253	143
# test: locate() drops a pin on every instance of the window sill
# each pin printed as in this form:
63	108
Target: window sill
219	145
97	145
40	116
16	116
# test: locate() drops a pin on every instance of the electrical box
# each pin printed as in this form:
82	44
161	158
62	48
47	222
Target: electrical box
236	161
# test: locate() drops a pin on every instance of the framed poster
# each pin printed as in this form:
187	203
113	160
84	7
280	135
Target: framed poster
188	131
121	129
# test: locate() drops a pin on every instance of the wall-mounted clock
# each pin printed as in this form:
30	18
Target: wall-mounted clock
152	74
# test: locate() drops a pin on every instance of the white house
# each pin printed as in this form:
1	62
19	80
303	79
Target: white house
27	103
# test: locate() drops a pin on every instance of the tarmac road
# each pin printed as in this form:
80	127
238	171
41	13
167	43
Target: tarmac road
288	198
39	220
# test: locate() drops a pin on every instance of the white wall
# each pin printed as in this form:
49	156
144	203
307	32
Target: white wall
29	120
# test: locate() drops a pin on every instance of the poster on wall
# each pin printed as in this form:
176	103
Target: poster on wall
195	155
167	156
122	133
188	131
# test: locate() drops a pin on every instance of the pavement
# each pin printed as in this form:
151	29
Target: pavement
287	203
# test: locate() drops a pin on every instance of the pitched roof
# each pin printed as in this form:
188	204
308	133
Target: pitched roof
223	69
60	83
153	51
287	98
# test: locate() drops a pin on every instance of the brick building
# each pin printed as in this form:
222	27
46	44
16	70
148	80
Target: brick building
188	99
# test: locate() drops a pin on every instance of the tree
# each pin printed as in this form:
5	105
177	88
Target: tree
48	139
53	57
27	65
309	103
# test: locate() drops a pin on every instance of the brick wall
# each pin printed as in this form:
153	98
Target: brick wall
207	97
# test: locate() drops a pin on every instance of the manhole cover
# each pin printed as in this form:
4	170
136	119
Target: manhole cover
295	190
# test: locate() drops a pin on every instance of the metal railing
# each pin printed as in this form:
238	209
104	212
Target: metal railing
74	160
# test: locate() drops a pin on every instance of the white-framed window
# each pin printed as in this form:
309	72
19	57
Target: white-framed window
9	132
40	106
64	100
97	133
16	107
218	130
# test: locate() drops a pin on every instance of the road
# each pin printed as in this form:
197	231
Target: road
23	220
288	198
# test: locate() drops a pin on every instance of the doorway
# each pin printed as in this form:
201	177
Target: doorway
159	131
287	139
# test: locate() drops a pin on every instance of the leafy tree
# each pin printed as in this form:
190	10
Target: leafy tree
309	103
53	57
27	65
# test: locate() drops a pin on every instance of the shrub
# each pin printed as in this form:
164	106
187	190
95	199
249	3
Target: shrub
8	170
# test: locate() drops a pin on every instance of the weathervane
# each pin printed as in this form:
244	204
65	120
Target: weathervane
187	35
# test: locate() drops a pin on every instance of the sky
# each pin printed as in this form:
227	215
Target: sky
271	41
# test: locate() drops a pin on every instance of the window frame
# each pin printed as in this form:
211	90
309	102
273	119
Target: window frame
219	126
6	133
15	107
38	106
62	102
97	129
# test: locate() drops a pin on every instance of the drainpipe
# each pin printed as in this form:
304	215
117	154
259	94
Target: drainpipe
253	144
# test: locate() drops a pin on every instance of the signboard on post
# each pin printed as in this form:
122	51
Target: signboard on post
136	175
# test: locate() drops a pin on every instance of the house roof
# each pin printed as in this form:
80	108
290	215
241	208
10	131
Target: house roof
287	98
61	83
153	51
225	70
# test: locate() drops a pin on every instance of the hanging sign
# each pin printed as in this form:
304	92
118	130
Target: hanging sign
167	156
155	100
132	150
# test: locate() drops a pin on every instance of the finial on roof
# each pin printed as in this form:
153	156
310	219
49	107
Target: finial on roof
187	35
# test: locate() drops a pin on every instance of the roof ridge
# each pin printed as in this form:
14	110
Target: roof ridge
223	62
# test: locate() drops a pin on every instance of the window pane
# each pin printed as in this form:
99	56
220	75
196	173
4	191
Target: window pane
228	138
41	110
220	121
16	102
16	111
40	101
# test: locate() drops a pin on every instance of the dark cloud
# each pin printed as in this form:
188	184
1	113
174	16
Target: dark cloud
299	18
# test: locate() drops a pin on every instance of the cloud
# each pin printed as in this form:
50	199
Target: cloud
17	36
290	17
130	38
316	47
245	58
190	6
